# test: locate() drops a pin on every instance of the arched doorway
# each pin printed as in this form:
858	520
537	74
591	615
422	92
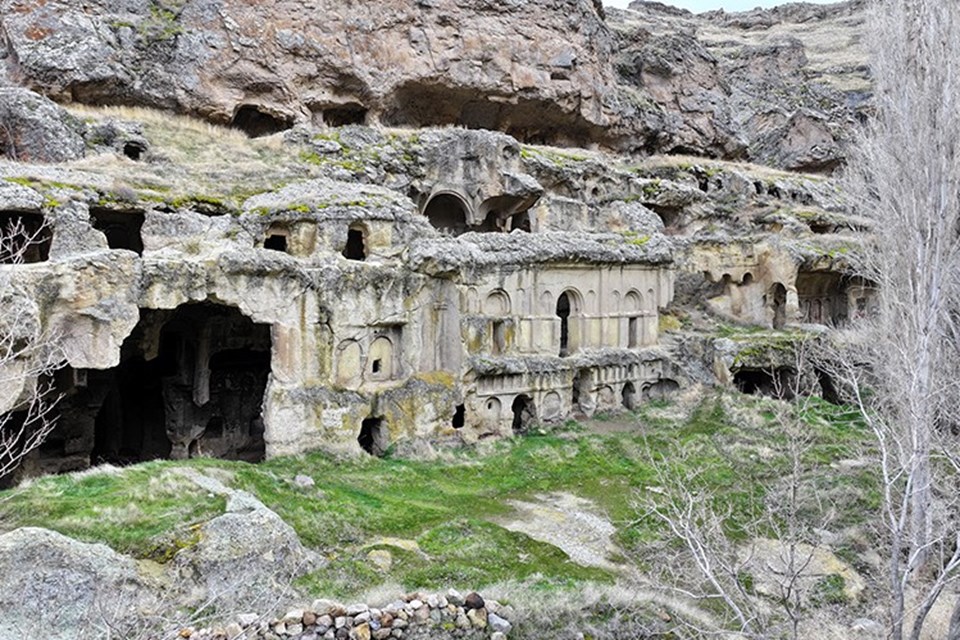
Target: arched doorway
778	297
629	396
568	310
524	413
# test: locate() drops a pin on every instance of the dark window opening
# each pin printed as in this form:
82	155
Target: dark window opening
377	366
633	333
459	416
747	279
256	123
758	187
524	414
356	245
521	221
775	383
344	115
276	242
25	238
122	229
563	311
447	213
373	437
133	150
629	397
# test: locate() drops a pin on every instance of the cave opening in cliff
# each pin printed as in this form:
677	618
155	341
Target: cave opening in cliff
774	382
25	238
447	213
374	437
355	248
778	303
122	228
257	123
133	150
276	241
343	115
628	397
191	382
823	297
459	417
524	413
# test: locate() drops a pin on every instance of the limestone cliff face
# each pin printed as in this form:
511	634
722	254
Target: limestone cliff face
538	68
781	87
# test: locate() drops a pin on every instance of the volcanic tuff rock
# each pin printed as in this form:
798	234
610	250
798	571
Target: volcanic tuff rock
782	86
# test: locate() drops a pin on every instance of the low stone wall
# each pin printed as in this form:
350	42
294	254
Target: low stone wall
415	616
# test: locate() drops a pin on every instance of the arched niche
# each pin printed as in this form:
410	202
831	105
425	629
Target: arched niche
497	304
569	308
380	361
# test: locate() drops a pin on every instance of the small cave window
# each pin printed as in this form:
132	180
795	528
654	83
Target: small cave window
670	216
820	227
747	279
257	123
758	187
344	115
122	229
276	242
633	333
24	238
356	245
377	366
374	437
459	417
133	150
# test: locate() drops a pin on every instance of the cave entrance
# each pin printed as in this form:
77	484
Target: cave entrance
568	310
374	437
344	115
629	397
778	297
191	382
524	414
447	213
775	382
823	297
24	238
257	123
121	228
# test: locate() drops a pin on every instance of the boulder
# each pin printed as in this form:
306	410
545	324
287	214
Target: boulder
247	558
34	129
52	586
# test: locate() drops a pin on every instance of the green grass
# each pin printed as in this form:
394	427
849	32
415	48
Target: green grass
449	507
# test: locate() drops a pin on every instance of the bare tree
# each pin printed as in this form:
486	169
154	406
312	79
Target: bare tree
905	174
28	355
711	566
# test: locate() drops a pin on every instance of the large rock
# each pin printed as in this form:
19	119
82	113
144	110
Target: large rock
247	558
34	129
52	586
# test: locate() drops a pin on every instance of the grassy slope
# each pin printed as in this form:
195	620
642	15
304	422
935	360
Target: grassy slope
448	506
